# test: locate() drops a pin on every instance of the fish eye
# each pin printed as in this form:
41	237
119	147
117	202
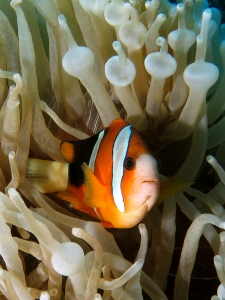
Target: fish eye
129	163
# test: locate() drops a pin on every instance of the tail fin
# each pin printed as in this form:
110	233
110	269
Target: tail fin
47	176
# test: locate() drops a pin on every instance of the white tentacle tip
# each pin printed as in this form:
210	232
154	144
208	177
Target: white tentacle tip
11	154
53	292
17	77
76	231
14	3
207	13
45	296
218	259
128	6
117	45
43	105
161	17
141	226
210	159
62	22
160	41
180	6
61	19
13	193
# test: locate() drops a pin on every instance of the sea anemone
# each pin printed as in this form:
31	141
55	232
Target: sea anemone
68	69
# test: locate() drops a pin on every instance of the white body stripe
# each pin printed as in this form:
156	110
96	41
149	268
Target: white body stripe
93	158
119	153
95	210
95	151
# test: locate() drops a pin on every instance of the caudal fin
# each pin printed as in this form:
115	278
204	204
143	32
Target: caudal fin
47	176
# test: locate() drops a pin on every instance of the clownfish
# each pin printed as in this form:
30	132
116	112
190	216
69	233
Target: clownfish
111	176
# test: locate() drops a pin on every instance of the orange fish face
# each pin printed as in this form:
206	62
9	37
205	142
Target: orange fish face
140	182
141	185
125	166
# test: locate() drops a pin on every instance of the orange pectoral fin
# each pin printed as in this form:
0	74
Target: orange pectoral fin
171	186
95	191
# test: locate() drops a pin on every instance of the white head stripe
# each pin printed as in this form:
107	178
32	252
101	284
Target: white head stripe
95	151
119	153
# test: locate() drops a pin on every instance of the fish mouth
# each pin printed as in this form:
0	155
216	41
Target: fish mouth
146	180
152	193
150	181
145	192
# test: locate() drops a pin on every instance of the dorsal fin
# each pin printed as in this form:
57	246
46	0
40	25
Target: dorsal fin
78	151
67	151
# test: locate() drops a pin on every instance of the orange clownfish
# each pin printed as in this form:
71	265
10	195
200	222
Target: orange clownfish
111	176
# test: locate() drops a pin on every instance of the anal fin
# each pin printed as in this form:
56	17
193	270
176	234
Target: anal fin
70	197
107	224
76	202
